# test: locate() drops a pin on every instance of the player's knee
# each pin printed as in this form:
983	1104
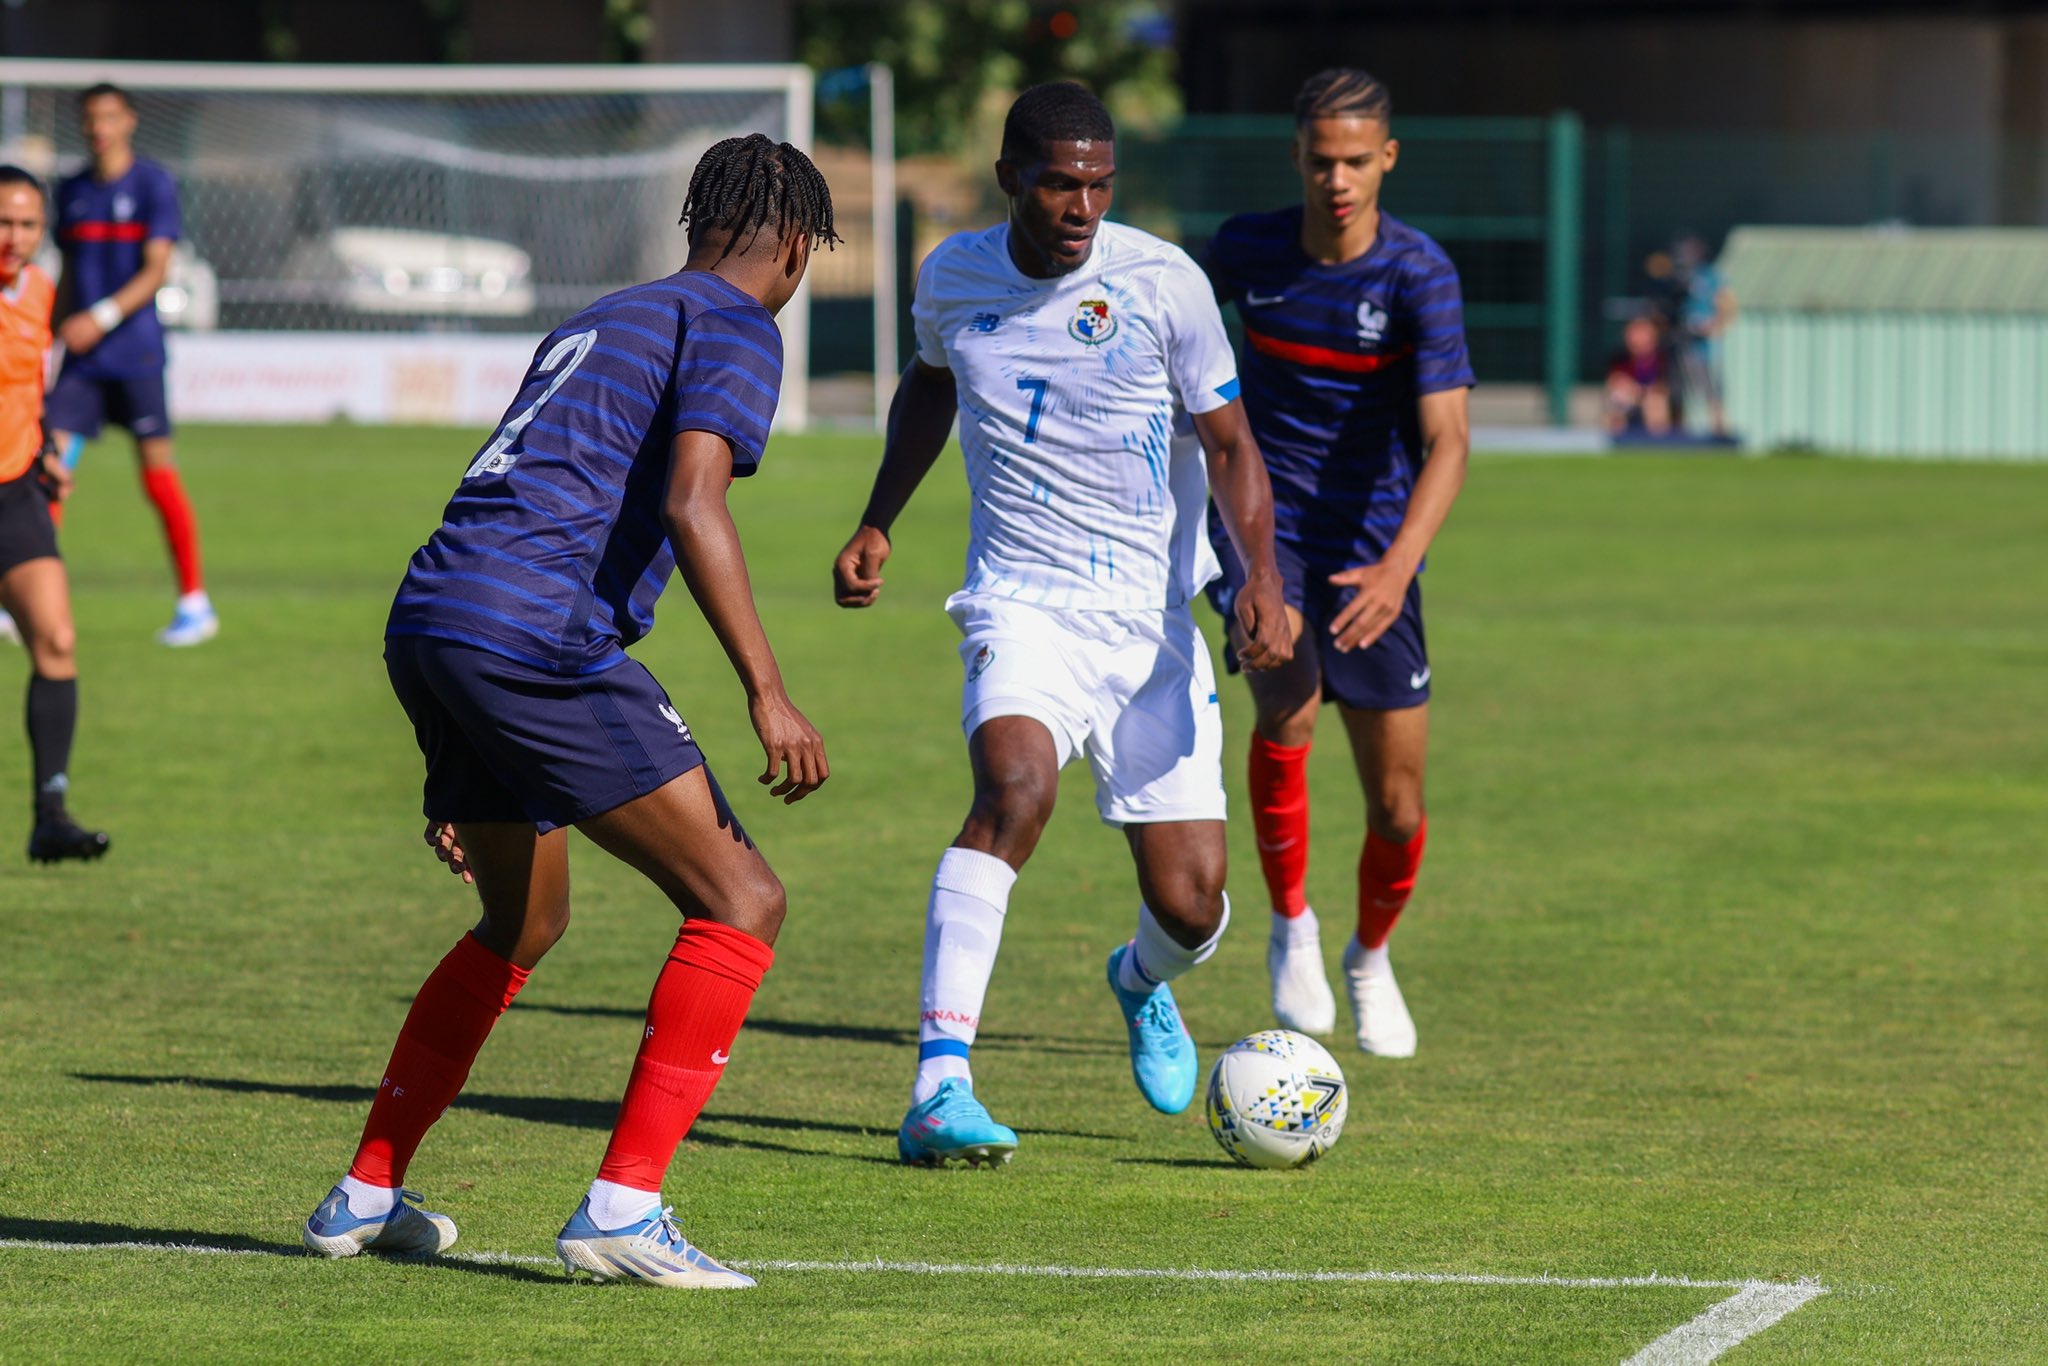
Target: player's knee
1015	808
54	650
1395	815
757	908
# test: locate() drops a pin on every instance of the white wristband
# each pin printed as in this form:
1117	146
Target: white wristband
106	314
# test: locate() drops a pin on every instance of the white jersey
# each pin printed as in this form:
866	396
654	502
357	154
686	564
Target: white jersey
1069	389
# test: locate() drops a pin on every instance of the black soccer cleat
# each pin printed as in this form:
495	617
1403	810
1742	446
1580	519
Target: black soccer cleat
59	837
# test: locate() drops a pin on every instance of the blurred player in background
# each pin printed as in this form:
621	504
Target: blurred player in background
1066	344
117	221
506	645
1355	380
33	587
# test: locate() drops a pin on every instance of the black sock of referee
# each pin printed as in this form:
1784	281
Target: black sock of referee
52	717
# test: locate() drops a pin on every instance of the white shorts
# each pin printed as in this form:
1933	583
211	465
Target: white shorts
1134	691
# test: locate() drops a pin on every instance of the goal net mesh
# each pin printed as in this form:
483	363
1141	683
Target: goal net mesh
471	211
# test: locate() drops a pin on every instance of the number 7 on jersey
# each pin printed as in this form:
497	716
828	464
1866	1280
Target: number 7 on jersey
1036	388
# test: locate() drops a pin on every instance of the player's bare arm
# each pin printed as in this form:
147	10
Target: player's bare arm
82	331
1382	587
920	417
1243	494
707	547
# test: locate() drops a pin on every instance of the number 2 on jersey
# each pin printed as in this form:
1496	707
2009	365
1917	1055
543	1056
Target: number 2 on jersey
1036	388
562	359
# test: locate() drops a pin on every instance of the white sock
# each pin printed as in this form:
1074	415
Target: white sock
615	1206
1157	956
1297	929
962	928
1359	958
366	1201
194	602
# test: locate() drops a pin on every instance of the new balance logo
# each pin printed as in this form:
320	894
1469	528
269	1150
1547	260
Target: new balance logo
985	322
675	718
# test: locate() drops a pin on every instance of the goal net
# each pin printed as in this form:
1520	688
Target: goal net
343	214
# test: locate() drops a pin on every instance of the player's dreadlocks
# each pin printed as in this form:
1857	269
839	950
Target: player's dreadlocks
1062	111
1342	92
751	184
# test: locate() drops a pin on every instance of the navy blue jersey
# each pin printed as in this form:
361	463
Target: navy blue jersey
102	228
552	551
1336	358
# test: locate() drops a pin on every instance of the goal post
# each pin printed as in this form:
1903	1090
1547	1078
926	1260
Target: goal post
386	240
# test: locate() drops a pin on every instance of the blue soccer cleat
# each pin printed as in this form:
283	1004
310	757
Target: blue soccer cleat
405	1231
191	624
1162	1053
953	1126
653	1250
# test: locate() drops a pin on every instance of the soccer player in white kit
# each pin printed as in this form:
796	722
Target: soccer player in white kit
1068	346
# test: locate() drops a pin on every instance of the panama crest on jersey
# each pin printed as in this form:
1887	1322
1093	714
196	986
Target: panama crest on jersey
1092	324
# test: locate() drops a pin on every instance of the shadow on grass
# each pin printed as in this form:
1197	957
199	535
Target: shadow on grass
567	1111
849	1033
70	1233
1207	1164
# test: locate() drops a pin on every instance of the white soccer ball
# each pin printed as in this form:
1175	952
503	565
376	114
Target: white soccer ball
1276	1100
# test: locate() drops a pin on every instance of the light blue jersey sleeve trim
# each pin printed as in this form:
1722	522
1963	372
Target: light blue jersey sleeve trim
1230	389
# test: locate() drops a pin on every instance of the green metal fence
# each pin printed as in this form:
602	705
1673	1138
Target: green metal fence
1550	224
1504	196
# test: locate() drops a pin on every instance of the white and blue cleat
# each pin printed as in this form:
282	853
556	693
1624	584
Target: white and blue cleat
405	1231
1163	1058
953	1127
190	626
652	1250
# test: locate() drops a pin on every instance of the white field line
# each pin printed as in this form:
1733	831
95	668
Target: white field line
1742	1315
1754	1306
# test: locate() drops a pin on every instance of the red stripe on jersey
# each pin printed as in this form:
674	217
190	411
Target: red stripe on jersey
106	232
1323	356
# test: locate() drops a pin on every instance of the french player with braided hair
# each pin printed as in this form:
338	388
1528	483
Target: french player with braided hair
1355	382
507	646
1072	349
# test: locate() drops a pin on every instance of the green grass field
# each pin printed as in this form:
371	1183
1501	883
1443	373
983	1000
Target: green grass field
1727	959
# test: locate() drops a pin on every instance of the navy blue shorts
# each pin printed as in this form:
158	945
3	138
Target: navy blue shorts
1391	674
26	532
81	404
507	742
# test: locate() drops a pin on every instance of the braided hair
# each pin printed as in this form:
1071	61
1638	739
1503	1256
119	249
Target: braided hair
1342	92
749	184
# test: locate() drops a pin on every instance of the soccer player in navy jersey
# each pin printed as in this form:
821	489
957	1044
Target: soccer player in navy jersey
117	221
506	646
1355	380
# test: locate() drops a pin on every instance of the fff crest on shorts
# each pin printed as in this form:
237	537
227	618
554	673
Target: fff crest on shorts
1092	324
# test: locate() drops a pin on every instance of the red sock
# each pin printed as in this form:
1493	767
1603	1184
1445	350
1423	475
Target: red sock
181	531
1279	791
449	1021
699	1002
1386	879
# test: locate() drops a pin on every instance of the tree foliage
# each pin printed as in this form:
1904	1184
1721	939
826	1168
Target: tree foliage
954	59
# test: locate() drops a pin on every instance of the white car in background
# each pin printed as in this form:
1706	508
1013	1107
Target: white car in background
189	298
400	271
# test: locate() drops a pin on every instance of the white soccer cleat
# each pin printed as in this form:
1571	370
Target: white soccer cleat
8	630
406	1230
190	626
651	1250
1301	989
1385	1028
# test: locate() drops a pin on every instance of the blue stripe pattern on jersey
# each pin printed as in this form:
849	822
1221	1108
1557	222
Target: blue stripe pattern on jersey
1335	360
553	552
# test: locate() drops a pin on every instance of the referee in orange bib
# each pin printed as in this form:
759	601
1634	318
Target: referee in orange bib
33	587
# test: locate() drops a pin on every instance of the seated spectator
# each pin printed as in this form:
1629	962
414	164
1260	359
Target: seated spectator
1639	383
